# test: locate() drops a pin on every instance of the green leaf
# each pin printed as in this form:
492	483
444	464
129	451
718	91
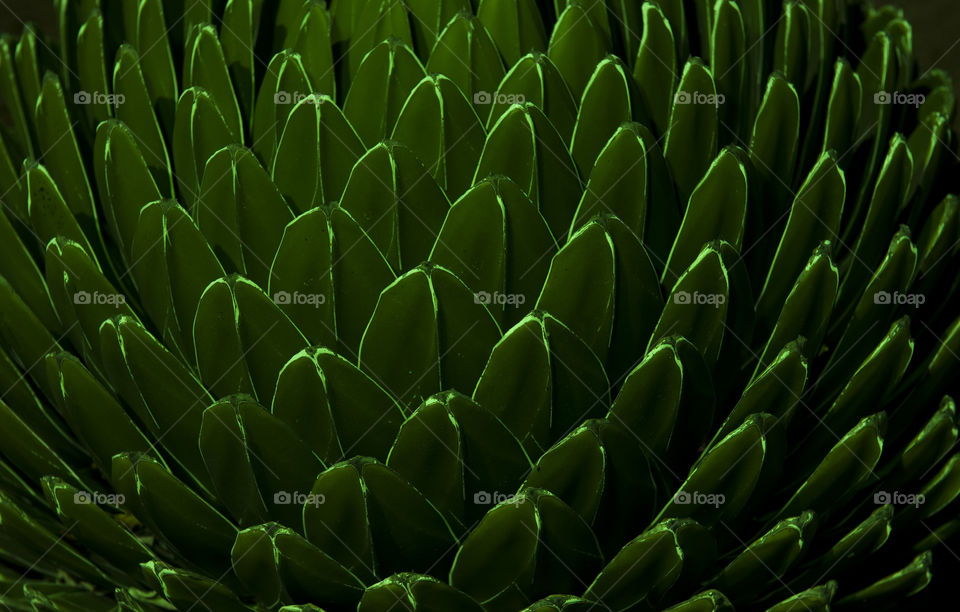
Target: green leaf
843	108
618	182
10	90
156	59
576	46
250	455
467	55
445	339
415	593
542	381
728	46
607	102
723	481
844	469
691	141
456	452
188	589
37	544
696	308
237	38
19	269
172	265
773	554
523	146
313	45
901	584
429	19
61	154
774	144
516	27
284	84
655	68
201	130
326	276
707	601
612	487
376	21
528	546
874	310
138	114
498	243
94	527
92	70
376	523
775	389
717	210
373	108
807	310
235	315
873	381
194	528
334	408
598	277
315	153
97	419
536	80
50	216
241	213
397	203
441	127
205	67
124	181
644	569
164	395
814	217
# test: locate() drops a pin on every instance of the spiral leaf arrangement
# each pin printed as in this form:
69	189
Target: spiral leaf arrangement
459	305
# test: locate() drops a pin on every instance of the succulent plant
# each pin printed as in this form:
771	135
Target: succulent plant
454	305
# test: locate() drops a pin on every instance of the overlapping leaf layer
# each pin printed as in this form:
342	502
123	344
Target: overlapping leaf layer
454	305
